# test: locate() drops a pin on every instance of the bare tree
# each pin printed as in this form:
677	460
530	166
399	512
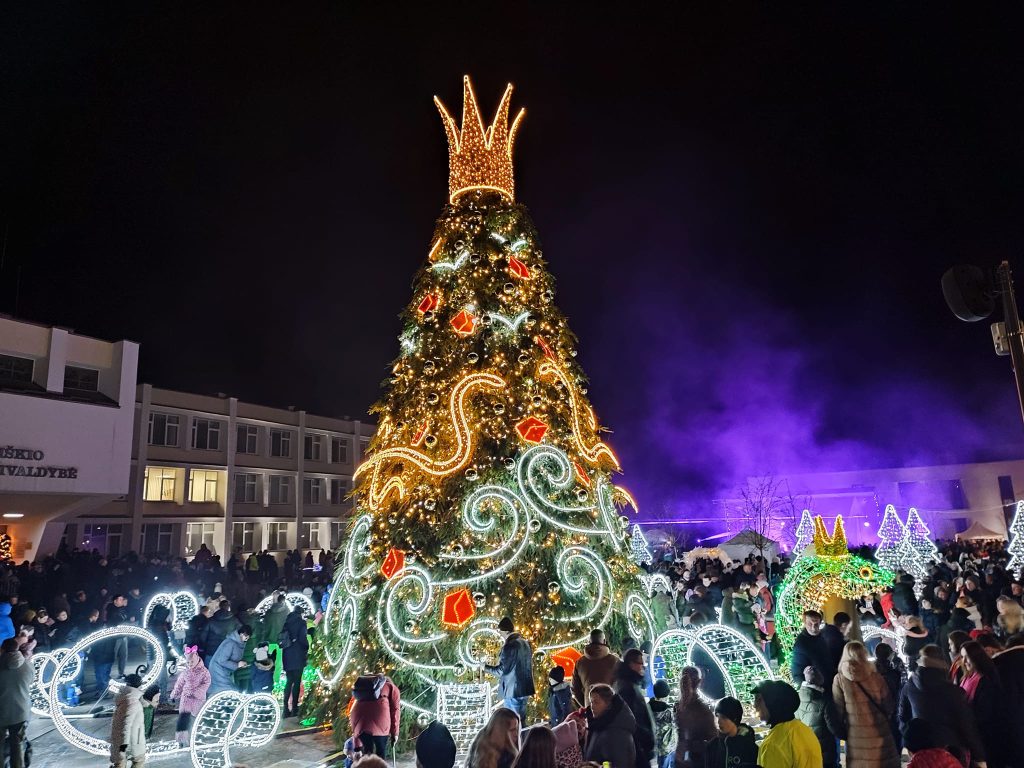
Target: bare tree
762	507
790	511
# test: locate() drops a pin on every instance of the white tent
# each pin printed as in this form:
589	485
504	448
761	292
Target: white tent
748	542
979	531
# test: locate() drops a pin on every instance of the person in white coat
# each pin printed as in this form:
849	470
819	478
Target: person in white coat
128	727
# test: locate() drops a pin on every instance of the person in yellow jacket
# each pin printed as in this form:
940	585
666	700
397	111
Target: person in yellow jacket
790	743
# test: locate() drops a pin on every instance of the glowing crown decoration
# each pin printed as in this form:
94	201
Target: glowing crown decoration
830	546
480	157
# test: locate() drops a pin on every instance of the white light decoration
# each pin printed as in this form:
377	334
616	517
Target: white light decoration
231	719
639	550
897	641
464	709
183	605
39	690
804	533
509	324
654	581
1016	546
294	600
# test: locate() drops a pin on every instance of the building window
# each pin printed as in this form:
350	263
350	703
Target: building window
159	484
197	534
310	536
339	450
312	490
206	435
337	535
314	446
163	429
202	485
81	379
155	538
247	435
106	539
280	443
364	446
277	536
16	370
280	489
339	490
245	488
243	535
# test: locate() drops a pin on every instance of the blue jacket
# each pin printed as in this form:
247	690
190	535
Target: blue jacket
6	625
559	702
224	663
514	668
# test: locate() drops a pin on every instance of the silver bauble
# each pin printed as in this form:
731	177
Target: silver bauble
479	599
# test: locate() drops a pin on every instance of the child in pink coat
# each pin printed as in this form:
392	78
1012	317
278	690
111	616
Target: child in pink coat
190	691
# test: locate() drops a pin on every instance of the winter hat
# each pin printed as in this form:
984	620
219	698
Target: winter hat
557	674
435	747
730	708
781	700
260	652
505	625
661	689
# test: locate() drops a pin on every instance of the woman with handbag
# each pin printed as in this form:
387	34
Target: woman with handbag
864	704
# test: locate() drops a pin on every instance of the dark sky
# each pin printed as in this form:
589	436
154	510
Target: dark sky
748	209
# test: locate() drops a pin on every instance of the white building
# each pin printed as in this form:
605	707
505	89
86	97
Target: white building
228	474
67	405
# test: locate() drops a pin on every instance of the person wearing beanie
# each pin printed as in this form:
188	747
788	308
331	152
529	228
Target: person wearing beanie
818	712
559	698
735	746
597	665
790	743
514	669
664	724
435	747
925	751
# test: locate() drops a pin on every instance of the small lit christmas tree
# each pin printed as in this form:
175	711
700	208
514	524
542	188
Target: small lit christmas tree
1016	548
638	548
917	551
804	533
890	535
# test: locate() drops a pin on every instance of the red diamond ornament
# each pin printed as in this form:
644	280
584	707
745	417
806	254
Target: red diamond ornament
464	323
566	659
458	608
531	429
581	473
428	304
516	268
393	563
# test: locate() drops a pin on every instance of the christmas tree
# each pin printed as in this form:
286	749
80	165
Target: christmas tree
916	550
890	535
639	549
487	490
1016	548
804	533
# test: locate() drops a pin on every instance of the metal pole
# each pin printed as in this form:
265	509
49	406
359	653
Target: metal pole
1014	338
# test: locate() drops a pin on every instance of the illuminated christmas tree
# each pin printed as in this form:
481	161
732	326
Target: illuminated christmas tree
1016	547
804	533
916	550
6	555
487	490
890	535
639	549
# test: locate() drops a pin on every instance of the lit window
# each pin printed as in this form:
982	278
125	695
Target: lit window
247	435
280	489
245	488
206	435
280	443
197	534
202	485
81	379
159	484
163	429
310	536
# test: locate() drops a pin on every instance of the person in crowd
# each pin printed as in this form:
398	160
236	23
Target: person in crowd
375	721
984	691
16	677
220	626
196	629
514	669
865	705
274	618
102	655
150	701
228	659
435	747
629	685
789	743
926	751
915	638
6	625
597	665
818	712
664	724
537	749
559	696
695	725
955	641
264	661
894	672
117	615
610	727
735	746
810	649
497	743
127	726
190	689
60	630
930	695
294	655
836	635
958	626
1010	619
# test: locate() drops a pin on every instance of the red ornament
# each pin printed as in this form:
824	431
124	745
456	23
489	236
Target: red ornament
581	474
516	268
531	429
464	323
566	659
544	346
393	563
429	303
420	434
458	608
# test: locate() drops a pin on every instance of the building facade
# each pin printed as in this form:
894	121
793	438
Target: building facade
67	406
228	474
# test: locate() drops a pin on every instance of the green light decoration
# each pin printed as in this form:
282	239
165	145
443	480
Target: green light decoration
831	572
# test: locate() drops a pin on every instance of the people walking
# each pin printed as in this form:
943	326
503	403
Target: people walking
190	689
227	660
818	712
597	665
735	746
127	726
294	644
985	696
375	716
514	669
559	696
863	702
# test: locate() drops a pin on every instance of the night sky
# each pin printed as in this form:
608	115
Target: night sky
748	210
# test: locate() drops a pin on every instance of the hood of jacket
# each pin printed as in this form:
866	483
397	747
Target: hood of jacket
659	705
5	609
617	717
234	637
627	674
222	615
12	660
929	678
295	622
856	670
596	651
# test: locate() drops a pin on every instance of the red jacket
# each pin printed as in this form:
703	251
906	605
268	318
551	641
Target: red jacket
933	758
379	717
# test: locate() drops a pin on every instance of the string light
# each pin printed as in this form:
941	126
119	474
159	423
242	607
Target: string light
894	640
1016	546
464	709
182	606
639	550
592	453
231	719
295	600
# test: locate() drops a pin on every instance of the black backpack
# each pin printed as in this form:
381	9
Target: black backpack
368	687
